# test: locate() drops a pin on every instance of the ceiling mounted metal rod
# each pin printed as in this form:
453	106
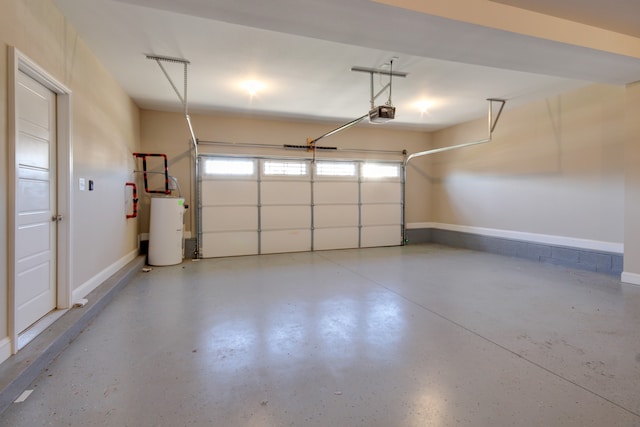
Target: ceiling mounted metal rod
159	59
181	96
384	88
339	129
492	122
380	71
491	126
385	72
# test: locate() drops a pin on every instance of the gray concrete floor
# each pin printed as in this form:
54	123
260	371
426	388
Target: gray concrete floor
404	336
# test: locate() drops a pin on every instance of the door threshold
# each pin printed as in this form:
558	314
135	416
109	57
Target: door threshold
40	326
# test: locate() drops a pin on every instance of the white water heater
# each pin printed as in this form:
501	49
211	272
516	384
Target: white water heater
166	231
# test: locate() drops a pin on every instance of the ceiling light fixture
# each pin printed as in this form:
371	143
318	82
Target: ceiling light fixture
253	86
423	105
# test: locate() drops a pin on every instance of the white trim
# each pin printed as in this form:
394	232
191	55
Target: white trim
88	286
5	349
18	62
633	278
416	225
546	239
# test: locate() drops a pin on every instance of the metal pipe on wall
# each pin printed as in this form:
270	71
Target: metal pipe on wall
491	125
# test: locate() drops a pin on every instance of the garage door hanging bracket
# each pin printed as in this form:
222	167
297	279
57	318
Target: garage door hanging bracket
492	122
181	96
491	126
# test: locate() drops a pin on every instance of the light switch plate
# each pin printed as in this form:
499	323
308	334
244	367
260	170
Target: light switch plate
82	184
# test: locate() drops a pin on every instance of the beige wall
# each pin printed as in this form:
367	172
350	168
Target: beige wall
105	132
632	188
167	133
555	167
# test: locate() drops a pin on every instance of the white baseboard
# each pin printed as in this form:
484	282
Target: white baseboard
88	286
5	349
547	239
632	278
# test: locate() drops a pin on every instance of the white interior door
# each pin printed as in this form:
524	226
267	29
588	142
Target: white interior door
35	225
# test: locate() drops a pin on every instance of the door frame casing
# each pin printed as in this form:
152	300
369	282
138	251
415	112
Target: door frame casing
18	62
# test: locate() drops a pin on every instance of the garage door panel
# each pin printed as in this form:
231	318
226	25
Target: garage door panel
381	192
385	235
224	192
229	218
333	212
229	244
335	216
335	192
335	238
285	217
285	241
285	193
381	214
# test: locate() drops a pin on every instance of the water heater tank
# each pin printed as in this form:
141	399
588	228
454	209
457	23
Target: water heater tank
166	226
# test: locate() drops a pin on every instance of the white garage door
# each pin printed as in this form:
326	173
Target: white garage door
381	204
285	200
260	206
229	207
336	205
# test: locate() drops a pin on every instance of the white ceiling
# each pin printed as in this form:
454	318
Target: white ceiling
622	16
303	51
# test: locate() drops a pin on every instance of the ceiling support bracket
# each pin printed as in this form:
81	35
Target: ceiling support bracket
181	96
492	121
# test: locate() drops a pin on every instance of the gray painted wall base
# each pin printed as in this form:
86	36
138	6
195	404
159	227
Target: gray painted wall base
602	262
17	372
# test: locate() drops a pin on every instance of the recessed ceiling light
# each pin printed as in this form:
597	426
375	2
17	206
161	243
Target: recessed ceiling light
252	86
423	105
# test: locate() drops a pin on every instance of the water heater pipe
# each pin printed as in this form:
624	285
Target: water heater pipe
134	196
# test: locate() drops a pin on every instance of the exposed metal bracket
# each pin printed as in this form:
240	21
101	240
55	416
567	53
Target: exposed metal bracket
387	72
380	71
194	140
181	96
492	121
159	60
338	129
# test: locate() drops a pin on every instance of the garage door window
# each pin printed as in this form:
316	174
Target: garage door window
380	170
235	167
285	168
270	205
341	169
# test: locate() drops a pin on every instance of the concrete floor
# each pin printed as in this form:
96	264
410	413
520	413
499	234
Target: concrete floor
404	336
